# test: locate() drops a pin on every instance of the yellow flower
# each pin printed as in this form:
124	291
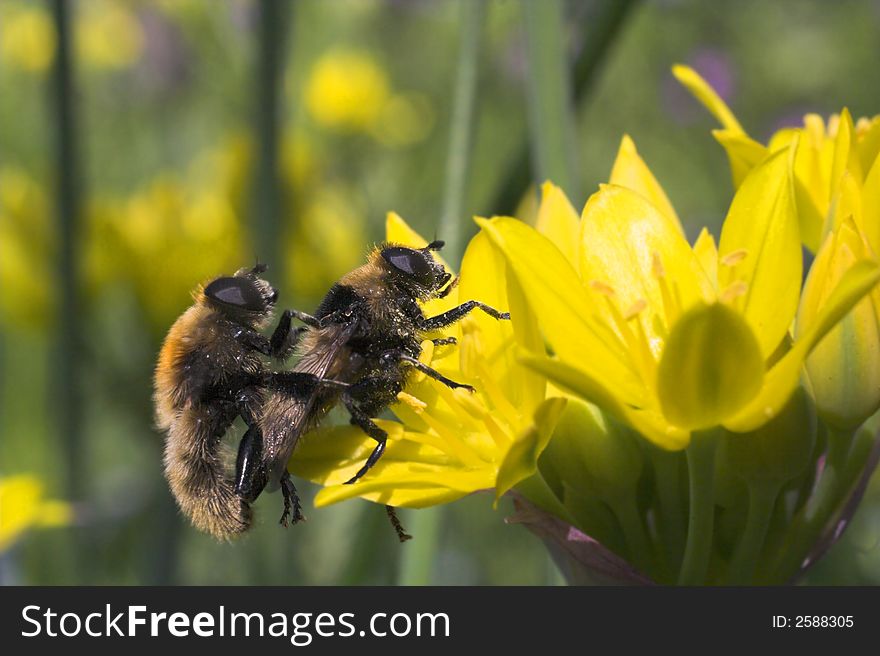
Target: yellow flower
844	369
837	190
23	506
346	90
27	252
826	154
667	337
108	36
451	443
27	38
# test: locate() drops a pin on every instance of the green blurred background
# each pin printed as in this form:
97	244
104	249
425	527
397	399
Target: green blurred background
206	132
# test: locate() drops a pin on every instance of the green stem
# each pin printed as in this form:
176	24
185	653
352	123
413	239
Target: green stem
473	15
701	477
672	524
638	545
69	336
551	115
810	522
268	203
600	34
420	554
762	499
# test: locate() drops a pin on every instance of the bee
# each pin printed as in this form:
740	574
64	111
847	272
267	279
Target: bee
358	350
209	372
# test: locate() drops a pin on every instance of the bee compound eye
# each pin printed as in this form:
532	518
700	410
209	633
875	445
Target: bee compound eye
235	292
406	260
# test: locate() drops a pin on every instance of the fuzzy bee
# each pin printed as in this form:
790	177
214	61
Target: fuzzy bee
209	372
357	349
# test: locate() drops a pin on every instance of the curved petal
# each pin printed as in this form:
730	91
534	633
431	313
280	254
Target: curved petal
650	423
743	152
411	473
484	277
632	248
559	221
521	459
707	96
711	367
760	247
567	317
630	171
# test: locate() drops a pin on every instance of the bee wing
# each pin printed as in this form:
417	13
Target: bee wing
287	416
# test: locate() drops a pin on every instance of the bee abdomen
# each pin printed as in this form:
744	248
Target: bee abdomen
196	475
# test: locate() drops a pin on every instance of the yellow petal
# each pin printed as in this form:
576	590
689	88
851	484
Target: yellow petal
871	207
629	246
762	225
868	142
743	152
782	379
711	367
484	278
844	368
707	254
706	95
630	171
521	460
558	221
647	422
412	472
567	318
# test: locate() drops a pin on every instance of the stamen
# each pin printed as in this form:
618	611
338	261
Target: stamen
734	291
657	265
671	305
635	309
734	257
453	444
417	405
602	288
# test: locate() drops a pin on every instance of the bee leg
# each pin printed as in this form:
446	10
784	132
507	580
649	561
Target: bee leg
284	338
402	535
433	373
299	384
444	341
291	499
445	291
456	313
363	421
250	479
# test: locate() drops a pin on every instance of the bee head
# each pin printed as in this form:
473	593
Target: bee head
243	297
415	268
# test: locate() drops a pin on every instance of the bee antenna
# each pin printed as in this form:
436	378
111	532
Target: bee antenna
259	267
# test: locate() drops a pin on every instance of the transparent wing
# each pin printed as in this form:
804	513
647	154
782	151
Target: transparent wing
287	415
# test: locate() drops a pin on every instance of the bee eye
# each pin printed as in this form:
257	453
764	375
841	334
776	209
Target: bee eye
412	263
274	296
236	292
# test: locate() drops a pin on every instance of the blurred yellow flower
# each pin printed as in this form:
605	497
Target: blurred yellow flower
108	35
326	239
27	252
23	506
173	234
451	443
346	90
27	37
